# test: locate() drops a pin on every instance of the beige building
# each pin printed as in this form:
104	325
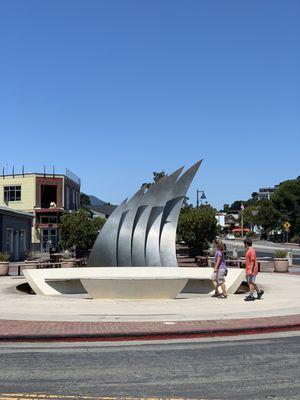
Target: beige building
46	196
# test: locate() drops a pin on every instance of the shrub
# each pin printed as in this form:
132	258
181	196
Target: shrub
295	239
4	257
66	255
28	255
250	234
280	254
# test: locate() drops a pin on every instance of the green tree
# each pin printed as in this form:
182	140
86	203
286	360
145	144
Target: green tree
226	208
253	201
84	200
268	217
186	204
250	216
197	226
236	205
286	200
156	177
79	229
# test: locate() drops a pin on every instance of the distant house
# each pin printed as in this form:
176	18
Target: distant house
265	193
15	233
220	217
232	220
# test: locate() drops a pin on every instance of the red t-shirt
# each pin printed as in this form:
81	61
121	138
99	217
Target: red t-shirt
250	259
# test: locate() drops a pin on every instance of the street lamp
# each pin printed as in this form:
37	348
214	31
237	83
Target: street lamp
203	197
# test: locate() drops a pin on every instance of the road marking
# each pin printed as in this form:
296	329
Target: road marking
46	396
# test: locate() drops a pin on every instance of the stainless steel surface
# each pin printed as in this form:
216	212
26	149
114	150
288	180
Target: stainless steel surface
104	251
126	229
142	231
158	202
171	215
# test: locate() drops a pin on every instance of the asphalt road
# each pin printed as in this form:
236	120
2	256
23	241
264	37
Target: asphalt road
218	369
264	249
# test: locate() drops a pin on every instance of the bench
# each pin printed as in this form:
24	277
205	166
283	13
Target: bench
78	280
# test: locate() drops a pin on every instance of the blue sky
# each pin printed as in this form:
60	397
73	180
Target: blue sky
115	90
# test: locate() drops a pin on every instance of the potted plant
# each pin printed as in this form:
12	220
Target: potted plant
281	262
68	261
4	263
28	255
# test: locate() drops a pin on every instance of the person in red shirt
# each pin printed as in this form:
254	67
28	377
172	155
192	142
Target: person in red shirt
251	271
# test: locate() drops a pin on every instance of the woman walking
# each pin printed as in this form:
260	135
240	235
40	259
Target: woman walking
220	271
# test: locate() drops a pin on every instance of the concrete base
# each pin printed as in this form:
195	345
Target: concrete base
282	297
133	288
70	281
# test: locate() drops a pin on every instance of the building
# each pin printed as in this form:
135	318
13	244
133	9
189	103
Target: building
220	217
265	193
46	196
232	220
15	233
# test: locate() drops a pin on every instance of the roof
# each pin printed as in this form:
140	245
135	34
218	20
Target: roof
69	176
10	211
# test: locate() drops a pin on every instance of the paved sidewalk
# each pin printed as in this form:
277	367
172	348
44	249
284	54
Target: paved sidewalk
30	317
109	331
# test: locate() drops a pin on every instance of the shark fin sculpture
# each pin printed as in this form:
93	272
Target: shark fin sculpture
142	231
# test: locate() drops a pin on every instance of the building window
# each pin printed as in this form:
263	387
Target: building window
48	195
12	193
49	219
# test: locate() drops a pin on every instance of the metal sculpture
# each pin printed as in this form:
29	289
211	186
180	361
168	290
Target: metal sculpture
142	230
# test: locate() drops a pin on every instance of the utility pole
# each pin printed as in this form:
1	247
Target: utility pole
242	224
242	219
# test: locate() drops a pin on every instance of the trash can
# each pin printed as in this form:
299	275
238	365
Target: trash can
290	257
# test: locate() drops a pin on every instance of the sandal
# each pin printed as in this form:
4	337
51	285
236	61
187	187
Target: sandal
222	296
215	295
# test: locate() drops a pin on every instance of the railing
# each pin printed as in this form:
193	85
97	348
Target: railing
203	261
79	262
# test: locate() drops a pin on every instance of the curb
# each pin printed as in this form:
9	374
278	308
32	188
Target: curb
120	331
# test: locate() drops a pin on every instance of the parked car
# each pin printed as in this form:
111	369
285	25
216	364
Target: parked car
230	236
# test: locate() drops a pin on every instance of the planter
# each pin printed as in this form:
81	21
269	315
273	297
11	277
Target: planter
281	265
68	263
4	268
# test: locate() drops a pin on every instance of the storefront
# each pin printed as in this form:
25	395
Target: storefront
15	233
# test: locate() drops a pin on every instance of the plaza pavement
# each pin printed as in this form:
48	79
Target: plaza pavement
31	317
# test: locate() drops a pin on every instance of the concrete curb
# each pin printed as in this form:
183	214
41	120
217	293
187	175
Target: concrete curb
126	331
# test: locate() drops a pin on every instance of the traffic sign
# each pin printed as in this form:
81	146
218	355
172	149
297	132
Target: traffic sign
286	226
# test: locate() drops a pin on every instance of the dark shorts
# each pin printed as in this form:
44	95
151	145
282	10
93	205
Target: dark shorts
250	278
